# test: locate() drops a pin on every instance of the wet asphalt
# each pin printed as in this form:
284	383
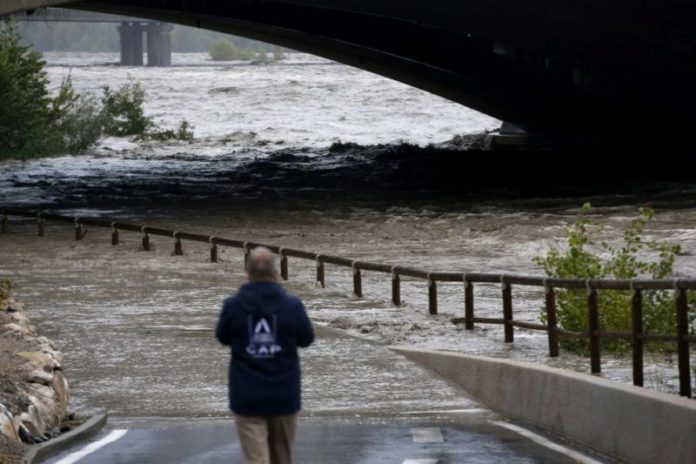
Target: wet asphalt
395	420
338	441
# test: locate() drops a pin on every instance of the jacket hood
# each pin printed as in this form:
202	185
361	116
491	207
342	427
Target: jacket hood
261	297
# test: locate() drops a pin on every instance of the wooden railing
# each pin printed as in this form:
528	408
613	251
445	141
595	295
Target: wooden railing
637	336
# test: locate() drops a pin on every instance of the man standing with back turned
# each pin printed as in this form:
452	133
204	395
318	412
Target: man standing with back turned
264	326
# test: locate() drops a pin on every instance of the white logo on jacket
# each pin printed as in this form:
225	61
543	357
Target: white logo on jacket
262	337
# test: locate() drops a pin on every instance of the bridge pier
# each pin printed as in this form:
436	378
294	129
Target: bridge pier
159	44
131	44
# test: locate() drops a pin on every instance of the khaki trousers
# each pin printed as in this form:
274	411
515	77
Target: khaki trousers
266	439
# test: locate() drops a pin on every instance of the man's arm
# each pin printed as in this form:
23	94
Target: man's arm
305	336
223	332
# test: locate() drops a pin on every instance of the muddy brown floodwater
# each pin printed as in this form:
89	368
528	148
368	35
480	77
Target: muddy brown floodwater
267	165
136	326
137	330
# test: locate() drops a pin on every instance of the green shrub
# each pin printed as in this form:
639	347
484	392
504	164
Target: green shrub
183	132
123	114
32	123
123	111
635	257
5	289
27	113
223	50
79	118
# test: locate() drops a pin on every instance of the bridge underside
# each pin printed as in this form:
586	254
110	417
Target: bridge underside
572	70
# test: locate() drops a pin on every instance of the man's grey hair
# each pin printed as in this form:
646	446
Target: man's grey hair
261	264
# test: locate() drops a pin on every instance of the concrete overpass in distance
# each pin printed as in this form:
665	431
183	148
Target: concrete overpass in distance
572	70
136	35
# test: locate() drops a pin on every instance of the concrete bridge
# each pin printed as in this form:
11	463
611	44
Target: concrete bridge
572	70
135	34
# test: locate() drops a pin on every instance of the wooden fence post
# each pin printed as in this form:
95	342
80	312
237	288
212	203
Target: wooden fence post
637	338
396	288
79	230
468	304
682	343
146	239
321	277
213	250
432	296
114	234
178	247
283	265
551	319
593	324
507	311
357	282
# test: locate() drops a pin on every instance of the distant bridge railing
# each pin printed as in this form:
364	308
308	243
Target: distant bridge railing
637	336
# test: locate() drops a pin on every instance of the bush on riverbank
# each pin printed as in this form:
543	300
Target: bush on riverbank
28	114
224	50
122	115
123	111
636	257
5	289
80	121
33	123
183	132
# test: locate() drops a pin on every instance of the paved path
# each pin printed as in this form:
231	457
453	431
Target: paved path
423	440
364	404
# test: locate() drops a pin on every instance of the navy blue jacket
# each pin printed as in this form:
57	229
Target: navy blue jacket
264	325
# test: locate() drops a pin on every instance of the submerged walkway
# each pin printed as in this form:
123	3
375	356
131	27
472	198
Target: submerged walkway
136	330
367	405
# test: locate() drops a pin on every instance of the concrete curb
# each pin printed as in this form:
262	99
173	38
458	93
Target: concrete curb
43	451
626	422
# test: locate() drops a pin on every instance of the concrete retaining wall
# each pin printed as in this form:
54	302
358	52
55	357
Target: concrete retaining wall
631	423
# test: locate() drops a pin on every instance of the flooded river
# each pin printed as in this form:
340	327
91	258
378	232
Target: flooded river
267	165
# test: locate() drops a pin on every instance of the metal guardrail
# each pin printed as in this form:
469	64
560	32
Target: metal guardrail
637	336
